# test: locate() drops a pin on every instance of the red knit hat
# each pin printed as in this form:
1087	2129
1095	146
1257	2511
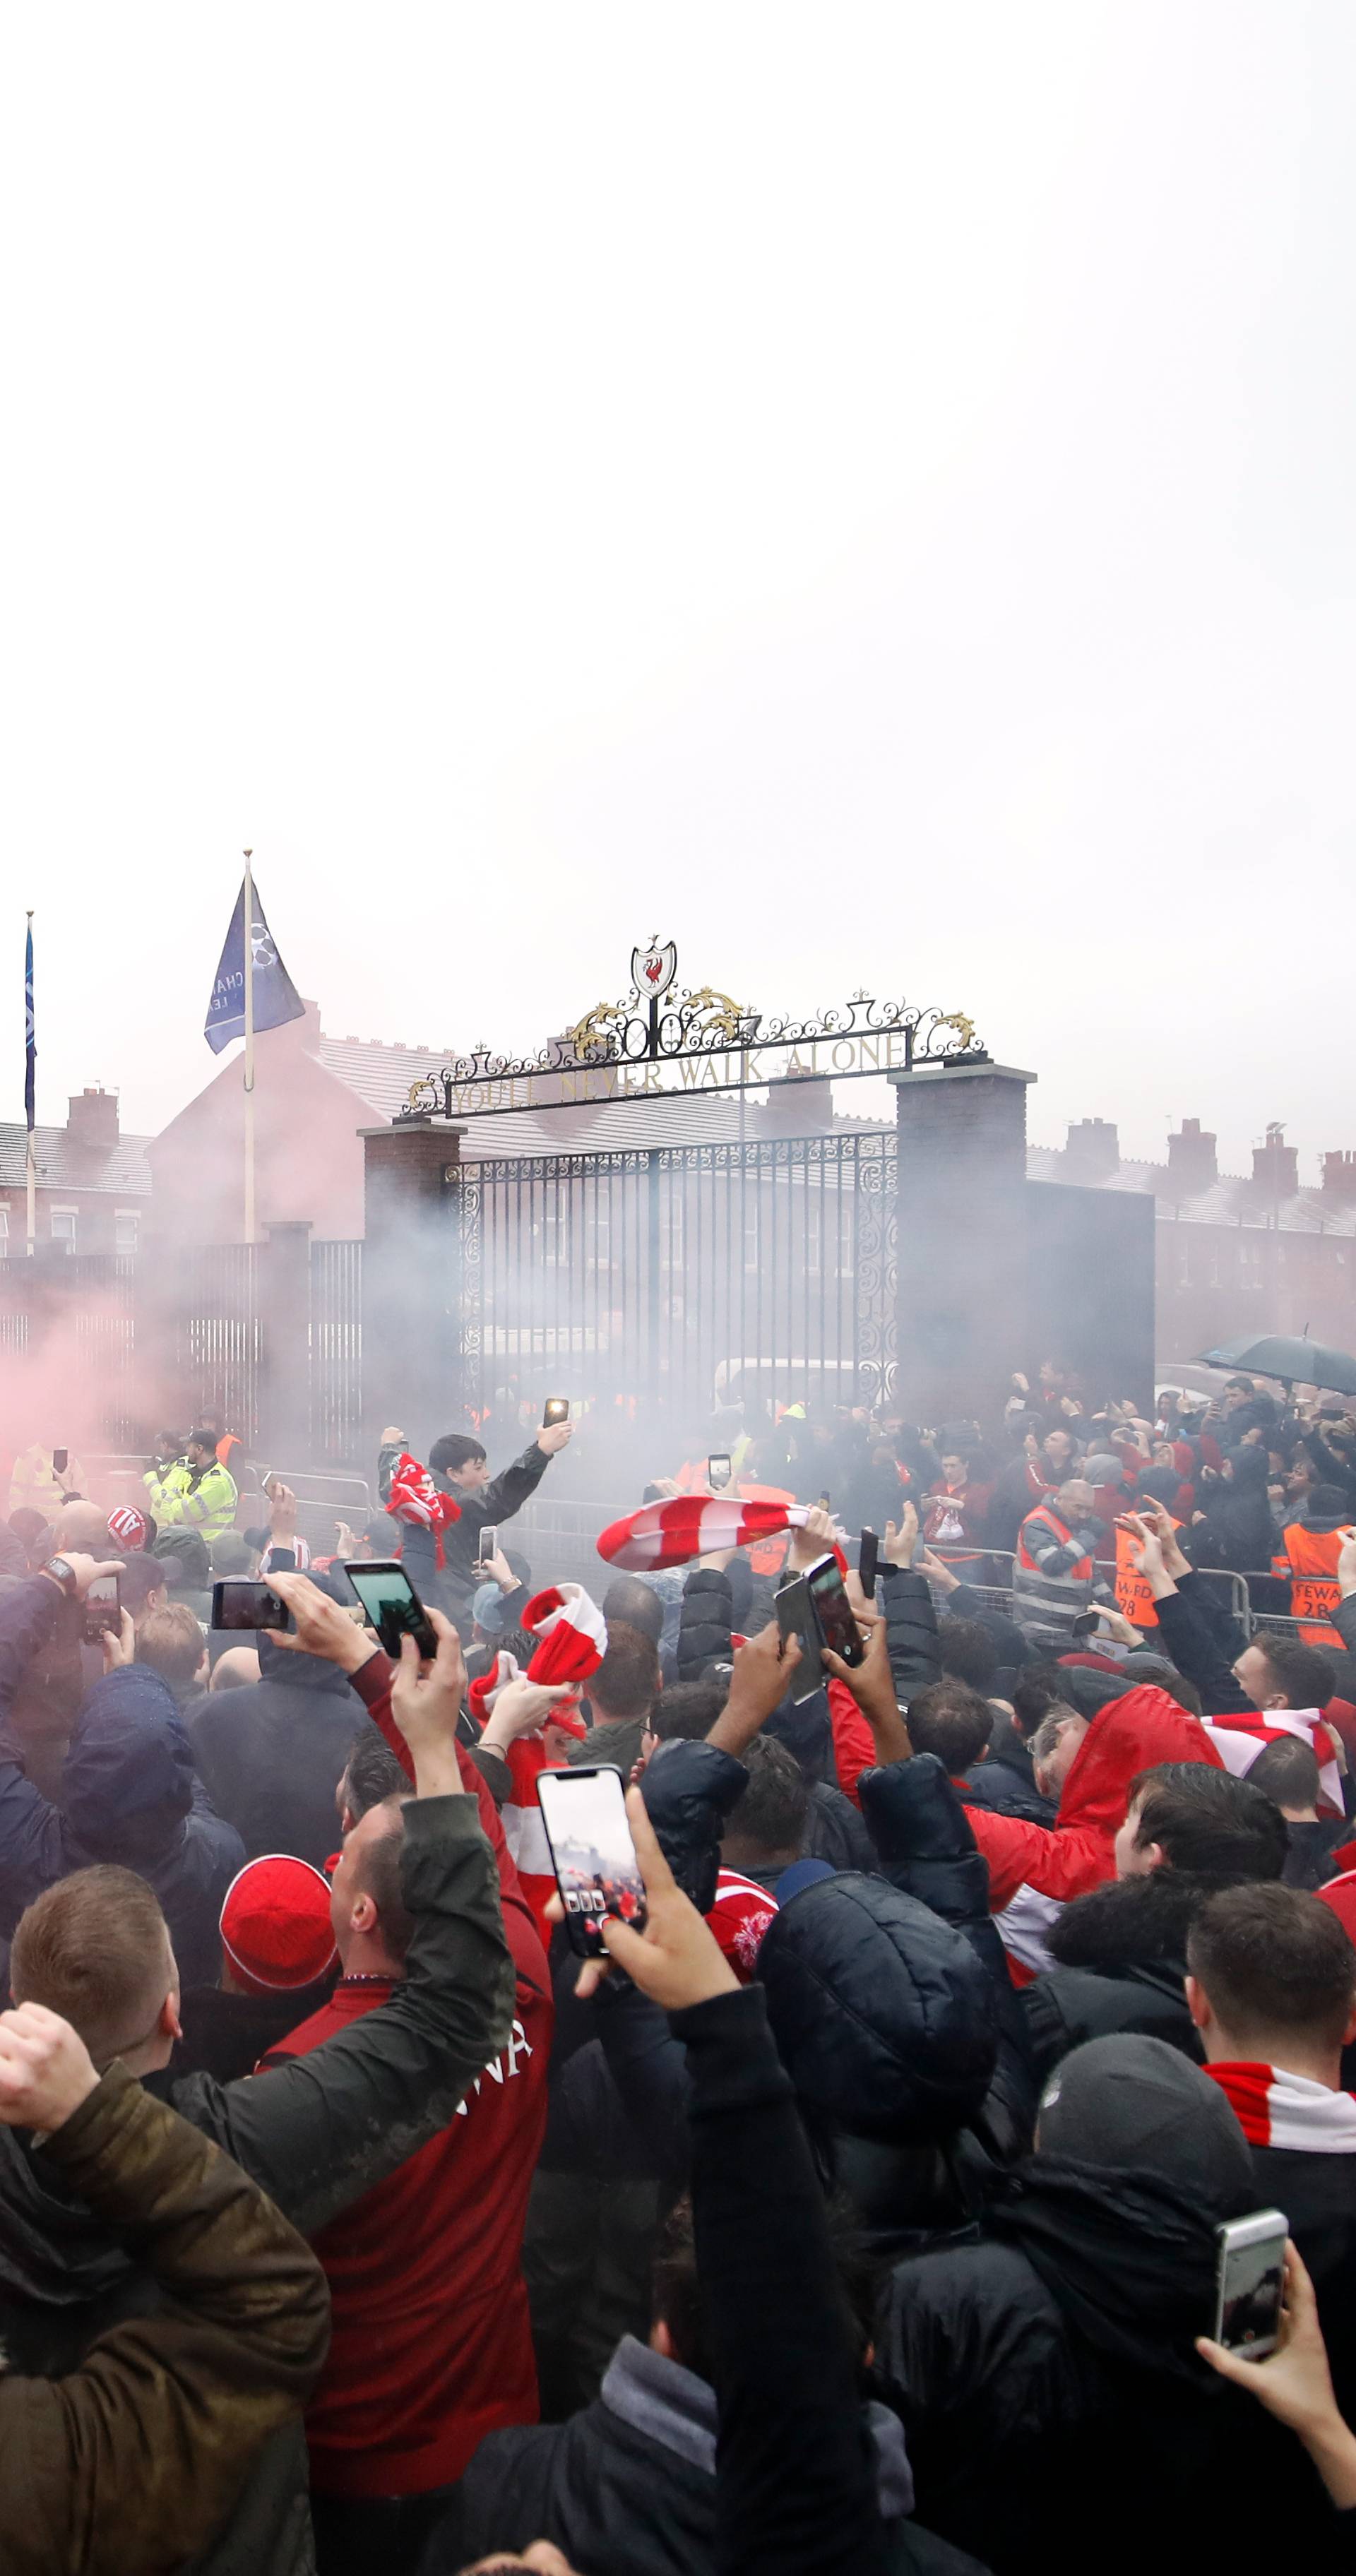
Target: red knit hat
128	1527
275	1925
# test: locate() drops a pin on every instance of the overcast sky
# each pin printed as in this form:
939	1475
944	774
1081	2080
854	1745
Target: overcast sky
864	491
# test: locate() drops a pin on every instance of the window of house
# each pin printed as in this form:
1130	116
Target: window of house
125	1225
63	1225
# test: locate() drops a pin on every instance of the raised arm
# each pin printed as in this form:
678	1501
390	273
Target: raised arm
134	2459
795	2470
319	2129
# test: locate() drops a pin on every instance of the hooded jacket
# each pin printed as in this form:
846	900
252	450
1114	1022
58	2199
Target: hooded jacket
273	1752
130	1794
1141	1728
1055	2410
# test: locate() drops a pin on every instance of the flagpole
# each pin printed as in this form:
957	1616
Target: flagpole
249	1049
30	1157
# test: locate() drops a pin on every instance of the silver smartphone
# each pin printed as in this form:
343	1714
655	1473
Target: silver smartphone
1249	2280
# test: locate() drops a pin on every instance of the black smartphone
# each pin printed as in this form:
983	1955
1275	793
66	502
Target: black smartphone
868	1562
592	1853
392	1605
556	1409
795	1618
718	1471
60	1461
824	1504
834	1614
242	1601
103	1608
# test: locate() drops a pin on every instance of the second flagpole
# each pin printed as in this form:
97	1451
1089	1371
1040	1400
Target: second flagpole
249	1048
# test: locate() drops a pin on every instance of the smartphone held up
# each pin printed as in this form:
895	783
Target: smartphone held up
103	1609
593	1855
392	1605
245	1603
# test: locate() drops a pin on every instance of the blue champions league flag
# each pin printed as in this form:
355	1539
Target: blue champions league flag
276	998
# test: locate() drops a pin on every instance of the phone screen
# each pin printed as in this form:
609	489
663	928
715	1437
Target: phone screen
868	1562
60	1460
244	1602
556	1409
824	1504
1251	2279
795	1618
393	1606
103	1608
592	1853
837	1625
487	1545
718	1471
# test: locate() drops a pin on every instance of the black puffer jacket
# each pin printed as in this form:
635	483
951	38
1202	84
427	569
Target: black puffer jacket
926	1847
705	1622
910	1631
885	2022
689	1790
1122	1962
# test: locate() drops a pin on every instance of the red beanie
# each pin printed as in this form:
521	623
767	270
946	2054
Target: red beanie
127	1527
275	1925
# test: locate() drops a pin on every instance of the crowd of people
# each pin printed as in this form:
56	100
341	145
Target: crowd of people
860	2210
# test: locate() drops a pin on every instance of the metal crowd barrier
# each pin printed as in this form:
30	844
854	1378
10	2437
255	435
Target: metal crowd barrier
994	1564
323	1499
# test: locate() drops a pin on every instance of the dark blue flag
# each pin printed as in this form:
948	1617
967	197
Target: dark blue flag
30	1040
275	995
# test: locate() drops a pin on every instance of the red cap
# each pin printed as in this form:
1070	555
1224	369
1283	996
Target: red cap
275	1925
128	1526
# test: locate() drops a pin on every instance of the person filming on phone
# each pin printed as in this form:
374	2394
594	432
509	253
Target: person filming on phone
442	1549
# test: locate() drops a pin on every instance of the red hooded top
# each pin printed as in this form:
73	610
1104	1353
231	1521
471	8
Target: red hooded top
1131	1734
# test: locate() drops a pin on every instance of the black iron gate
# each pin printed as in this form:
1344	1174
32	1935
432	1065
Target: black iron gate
675	1272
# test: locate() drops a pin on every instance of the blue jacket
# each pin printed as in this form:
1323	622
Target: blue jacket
130	1794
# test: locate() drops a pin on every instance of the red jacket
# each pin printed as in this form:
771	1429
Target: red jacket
432	2345
1133	1733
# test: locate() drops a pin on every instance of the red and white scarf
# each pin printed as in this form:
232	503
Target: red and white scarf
692	1525
414	1497
1238	1740
573	1642
1279	2110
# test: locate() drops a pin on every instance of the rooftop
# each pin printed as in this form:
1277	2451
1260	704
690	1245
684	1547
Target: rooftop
1230	1200
64	1163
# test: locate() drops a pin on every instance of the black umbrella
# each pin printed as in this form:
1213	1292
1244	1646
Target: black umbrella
1288	1356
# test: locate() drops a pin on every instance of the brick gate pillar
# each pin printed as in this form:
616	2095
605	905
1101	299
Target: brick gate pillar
411	1278
961	1294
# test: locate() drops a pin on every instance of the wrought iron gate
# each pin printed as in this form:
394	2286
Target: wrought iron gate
673	1272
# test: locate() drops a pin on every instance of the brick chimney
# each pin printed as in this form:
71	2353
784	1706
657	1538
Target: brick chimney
1339	1179
1191	1159
1093	1151
93	1118
1275	1165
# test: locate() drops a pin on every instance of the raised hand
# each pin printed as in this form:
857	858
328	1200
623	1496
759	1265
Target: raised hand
676	1960
45	2069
